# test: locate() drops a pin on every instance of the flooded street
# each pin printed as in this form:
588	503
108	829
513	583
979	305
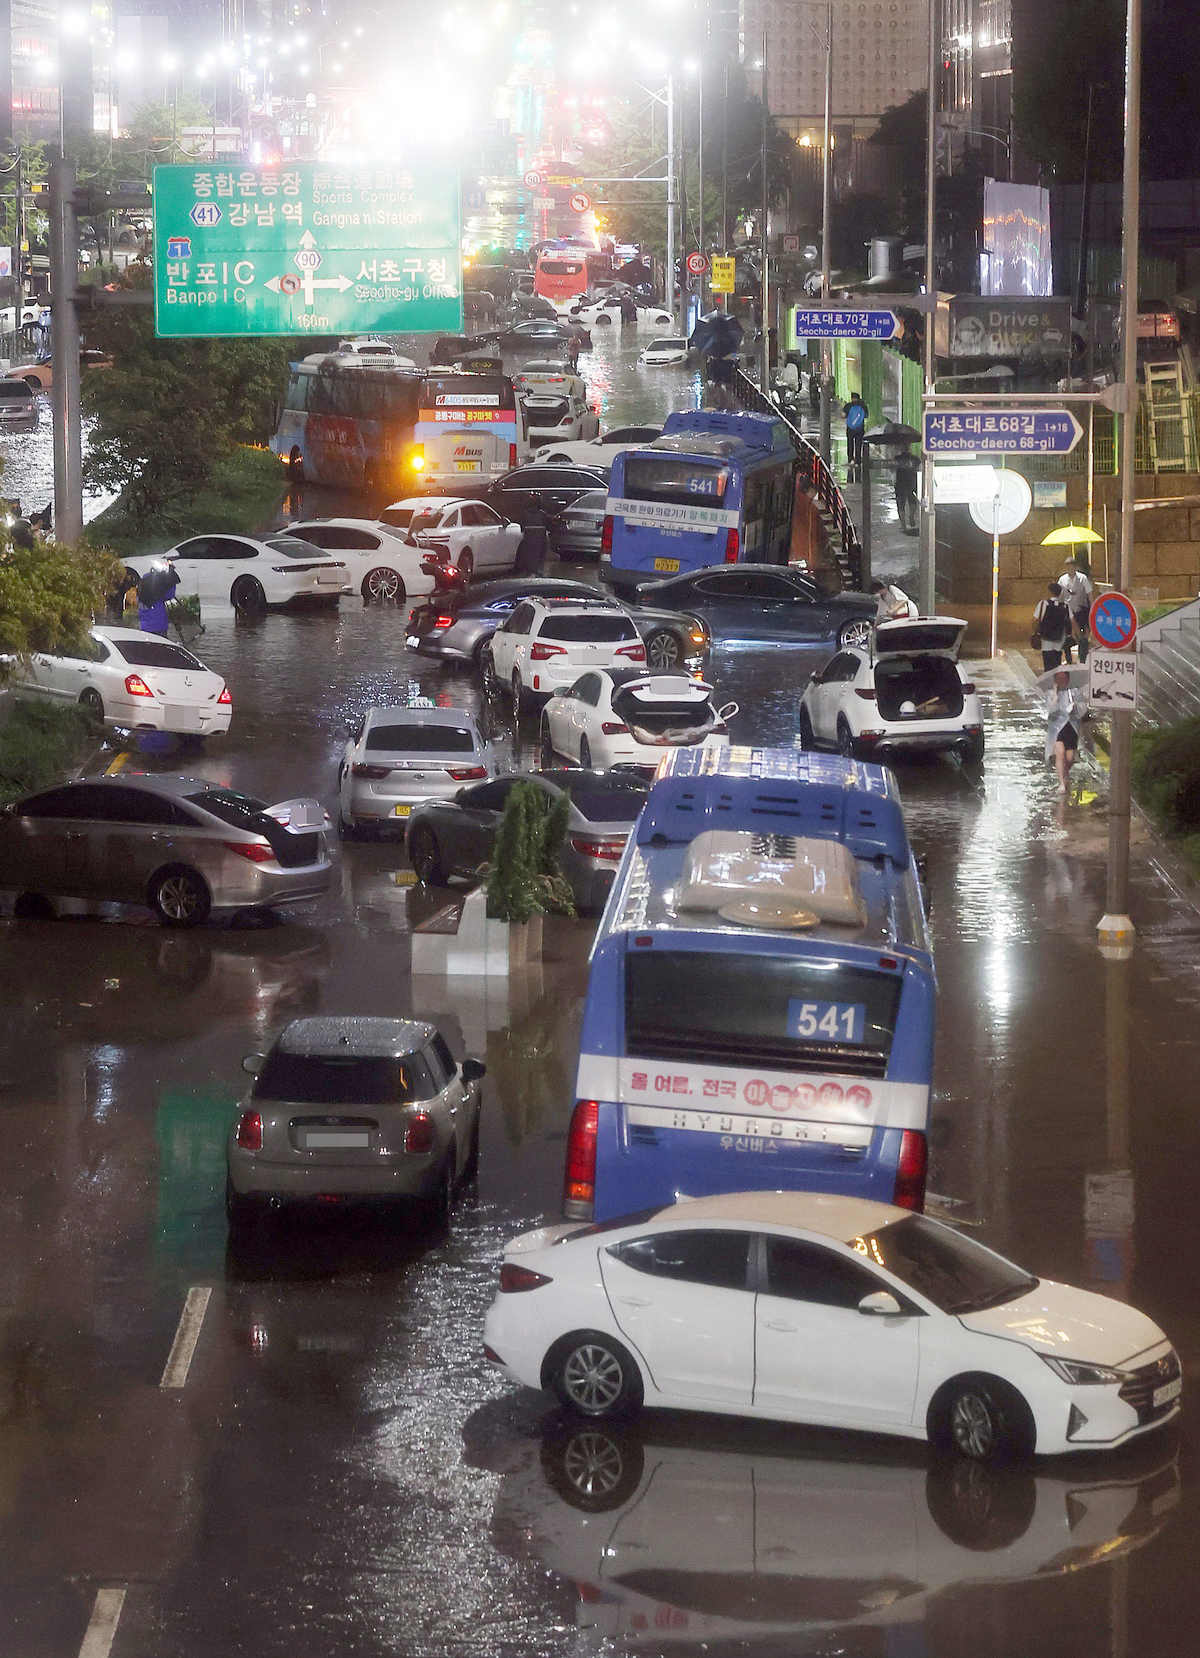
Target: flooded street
339	1472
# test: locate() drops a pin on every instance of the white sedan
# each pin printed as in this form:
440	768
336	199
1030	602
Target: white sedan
836	1311
665	353
250	572
901	689
468	534
133	680
627	717
383	563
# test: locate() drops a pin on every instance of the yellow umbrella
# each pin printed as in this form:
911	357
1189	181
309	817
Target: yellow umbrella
1069	534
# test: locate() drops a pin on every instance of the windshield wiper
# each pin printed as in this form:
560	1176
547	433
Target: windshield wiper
996	1300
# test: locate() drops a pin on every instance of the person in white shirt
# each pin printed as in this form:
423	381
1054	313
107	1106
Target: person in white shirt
1076	586
1065	712
894	604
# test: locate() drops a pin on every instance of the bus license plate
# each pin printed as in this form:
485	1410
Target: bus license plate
667	565
466	466
402	811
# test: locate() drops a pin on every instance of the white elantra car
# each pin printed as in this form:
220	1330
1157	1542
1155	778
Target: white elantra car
836	1311
901	689
132	680
627	717
383	563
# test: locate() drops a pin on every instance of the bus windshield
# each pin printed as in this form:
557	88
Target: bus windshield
449	396
674	478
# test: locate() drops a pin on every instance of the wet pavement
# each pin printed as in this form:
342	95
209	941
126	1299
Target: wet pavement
338	1472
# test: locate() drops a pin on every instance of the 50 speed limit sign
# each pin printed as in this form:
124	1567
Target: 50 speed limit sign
697	264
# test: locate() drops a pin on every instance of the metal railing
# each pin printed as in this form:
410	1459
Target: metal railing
817	475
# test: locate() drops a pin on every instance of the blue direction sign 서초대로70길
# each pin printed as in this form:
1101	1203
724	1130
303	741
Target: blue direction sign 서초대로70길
302	248
1000	432
840	323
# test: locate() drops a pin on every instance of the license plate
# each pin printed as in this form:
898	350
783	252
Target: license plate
329	1139
1171	1390
466	466
181	718
412	641
402	811
666	564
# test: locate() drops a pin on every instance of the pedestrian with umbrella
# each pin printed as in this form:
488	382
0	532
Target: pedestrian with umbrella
1066	710
1076	580
155	589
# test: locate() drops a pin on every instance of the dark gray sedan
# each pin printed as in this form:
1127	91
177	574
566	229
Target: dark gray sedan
763	603
448	838
577	534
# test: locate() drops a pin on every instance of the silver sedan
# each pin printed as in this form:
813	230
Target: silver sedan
183	846
398	757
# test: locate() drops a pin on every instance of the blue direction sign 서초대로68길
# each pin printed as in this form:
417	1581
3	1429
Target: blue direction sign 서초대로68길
301	248
1000	432
840	323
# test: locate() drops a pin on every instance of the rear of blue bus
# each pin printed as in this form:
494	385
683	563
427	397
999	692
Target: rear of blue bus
669	512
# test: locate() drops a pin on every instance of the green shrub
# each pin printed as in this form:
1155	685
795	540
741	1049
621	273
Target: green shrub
524	878
40	744
1166	774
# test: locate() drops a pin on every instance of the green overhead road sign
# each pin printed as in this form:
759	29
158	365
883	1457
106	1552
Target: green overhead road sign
306	249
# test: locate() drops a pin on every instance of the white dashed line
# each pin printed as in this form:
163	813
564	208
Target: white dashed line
179	1359
102	1625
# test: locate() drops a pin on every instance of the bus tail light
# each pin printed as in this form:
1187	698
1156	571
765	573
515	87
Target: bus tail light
606	536
911	1169
417	459
733	542
579	1176
512	455
543	653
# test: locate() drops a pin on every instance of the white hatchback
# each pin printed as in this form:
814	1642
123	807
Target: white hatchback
135	681
902	689
831	1310
544	646
383	563
398	757
249	572
468	534
627	717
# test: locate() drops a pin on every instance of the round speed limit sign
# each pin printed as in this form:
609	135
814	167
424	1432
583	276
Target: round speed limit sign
697	264
533	180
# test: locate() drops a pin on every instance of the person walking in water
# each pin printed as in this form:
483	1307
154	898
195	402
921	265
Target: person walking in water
1065	709
1051	626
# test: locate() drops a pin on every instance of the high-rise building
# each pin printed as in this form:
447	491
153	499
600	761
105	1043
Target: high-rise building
975	104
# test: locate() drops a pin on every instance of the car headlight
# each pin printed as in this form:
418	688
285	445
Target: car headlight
1081	1375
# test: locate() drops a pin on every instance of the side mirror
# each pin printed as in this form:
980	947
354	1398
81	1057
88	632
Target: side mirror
253	1063
473	1070
727	711
882	1303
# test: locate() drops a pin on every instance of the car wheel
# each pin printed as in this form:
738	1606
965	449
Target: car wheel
854	633
808	737
593	1471
33	906
585	754
602	321
347	827
663	652
594	1375
425	855
93	702
180	897
384	586
519	697
295	467
980	1507
247	596
847	747
466	563
983	1418
972	750
549	752
487	672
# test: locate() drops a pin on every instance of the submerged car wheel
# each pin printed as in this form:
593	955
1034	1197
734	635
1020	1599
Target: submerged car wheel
547	743
972	750
383	585
180	897
983	1418
466	564
594	1375
425	855
487	671
93	702
247	597
847	747
662	651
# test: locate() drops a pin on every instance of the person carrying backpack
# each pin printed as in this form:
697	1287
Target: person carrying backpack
1051	627
856	426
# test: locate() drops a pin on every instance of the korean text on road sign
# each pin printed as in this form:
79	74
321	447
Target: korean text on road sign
1001	432
723	275
1112	679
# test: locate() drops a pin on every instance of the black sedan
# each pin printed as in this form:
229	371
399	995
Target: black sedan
456	626
448	838
553	487
539	333
763	603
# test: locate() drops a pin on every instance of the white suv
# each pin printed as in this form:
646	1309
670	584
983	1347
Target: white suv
544	646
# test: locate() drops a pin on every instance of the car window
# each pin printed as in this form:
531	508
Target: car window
586	629
745	584
76	802
842	669
951	1270
441	1060
293	545
225	547
397	518
489	797
607	799
156	653
520	619
336	538
802	1271
587	689
198	547
717	1258
336	1079
412	737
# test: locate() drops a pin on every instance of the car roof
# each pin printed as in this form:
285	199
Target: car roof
559	606
829	1214
423	716
502	587
337	524
415	501
154	782
103	631
354	1035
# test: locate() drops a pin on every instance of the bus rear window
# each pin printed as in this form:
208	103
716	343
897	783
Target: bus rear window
785	1013
675	479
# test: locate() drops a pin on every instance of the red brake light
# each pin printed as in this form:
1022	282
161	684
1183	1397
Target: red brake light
225	697
635	653
867	696
512	454
579	1176
373	772
606	533
249	1131
418	1133
466	774
613	728
733	542
911	1169
514	1279
609	849
254	850
137	687
543	653
442	621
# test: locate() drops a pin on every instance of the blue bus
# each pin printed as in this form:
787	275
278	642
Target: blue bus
718	486
760	1006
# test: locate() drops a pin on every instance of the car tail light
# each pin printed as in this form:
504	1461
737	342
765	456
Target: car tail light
418	1134
543	653
606	534
579	1176
375	773
911	1169
249	1131
225	698
869	736
635	653
733	542
254	850
867	696
614	728
514	1279
608	847
466	774
137	687
443	621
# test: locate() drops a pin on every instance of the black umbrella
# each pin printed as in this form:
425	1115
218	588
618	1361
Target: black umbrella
893	431
159	582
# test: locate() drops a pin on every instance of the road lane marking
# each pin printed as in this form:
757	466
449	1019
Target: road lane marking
102	1625
114	768
186	1336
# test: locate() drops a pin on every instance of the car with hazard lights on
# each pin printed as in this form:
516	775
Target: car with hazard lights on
760	1002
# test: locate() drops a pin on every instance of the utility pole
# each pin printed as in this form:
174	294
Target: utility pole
826	247
1115	928
671	204
927	573
764	370
64	353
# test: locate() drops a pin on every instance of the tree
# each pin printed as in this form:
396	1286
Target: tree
512	876
49	594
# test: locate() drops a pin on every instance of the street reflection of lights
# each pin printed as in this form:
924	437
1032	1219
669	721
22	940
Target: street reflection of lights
997	988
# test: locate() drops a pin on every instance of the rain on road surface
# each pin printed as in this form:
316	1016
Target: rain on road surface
334	1470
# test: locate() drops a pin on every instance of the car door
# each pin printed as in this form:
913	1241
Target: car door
584	717
508	638
192	561
45	842
457	1099
828	690
133	833
472	823
817	1357
229	557
683	1300
757	604
477	534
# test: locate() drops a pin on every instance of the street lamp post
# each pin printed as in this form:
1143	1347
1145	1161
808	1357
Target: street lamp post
927	568
671	203
826	249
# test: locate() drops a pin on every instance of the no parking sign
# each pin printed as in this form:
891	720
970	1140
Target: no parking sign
1112	621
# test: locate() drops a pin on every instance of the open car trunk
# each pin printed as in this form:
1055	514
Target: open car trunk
669	722
918	688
